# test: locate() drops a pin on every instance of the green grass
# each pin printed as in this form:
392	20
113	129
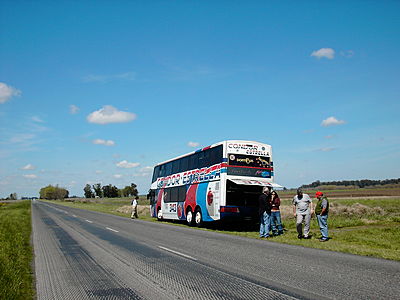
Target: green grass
16	278
373	233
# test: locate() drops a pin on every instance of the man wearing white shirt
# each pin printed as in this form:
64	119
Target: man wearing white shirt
302	211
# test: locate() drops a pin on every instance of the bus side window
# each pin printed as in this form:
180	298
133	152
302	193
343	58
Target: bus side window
174	194
216	155
204	160
184	164
182	193
175	166
194	161
162	171
168	169
155	173
167	195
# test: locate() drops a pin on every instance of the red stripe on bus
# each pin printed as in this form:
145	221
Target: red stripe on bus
231	166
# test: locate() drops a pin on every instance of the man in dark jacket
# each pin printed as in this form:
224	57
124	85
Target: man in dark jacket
321	211
264	211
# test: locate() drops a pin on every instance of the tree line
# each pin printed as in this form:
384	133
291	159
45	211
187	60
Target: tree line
109	191
358	183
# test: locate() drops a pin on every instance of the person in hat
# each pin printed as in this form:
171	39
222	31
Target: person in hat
264	211
302	211
321	211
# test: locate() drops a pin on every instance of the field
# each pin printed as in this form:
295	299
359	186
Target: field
15	251
361	221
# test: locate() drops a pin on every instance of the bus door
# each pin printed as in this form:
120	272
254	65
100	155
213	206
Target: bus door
245	197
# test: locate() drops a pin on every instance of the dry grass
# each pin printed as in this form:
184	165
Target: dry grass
141	209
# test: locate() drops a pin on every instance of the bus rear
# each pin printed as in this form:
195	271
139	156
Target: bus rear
249	167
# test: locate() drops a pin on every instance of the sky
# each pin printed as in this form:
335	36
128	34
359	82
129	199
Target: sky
101	91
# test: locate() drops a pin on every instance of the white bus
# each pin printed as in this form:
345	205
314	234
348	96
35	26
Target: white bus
218	182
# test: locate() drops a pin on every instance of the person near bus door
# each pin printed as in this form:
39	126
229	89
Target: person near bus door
264	211
276	223
134	204
302	211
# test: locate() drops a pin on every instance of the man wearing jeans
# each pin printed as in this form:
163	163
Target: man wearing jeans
302	211
321	211
264	211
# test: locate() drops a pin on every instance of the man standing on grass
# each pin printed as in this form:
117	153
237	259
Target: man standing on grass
321	211
302	211
264	211
134	207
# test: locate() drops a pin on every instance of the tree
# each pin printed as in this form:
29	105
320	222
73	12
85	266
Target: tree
110	191
97	189
88	191
53	192
130	190
13	196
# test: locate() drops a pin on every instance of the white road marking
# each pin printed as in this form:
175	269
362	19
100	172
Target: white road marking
112	229
89	221
178	253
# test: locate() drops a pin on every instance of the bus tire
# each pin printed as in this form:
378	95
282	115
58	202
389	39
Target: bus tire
189	217
198	217
159	214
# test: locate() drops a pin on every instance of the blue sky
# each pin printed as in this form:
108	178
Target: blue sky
101	91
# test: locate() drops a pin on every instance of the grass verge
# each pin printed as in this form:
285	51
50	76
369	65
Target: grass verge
16	275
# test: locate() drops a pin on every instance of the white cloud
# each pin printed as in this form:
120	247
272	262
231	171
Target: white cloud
332	121
103	142
98	172
347	53
327	149
108	78
193	144
6	92
73	109
127	165
146	169
22	138
28	167
109	114
117	176
328	53
30	176
37	119
144	172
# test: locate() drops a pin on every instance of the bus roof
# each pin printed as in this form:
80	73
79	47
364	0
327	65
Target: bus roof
212	146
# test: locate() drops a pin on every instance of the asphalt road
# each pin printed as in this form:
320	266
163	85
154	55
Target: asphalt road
87	255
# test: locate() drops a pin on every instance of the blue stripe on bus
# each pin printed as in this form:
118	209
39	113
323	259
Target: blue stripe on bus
201	198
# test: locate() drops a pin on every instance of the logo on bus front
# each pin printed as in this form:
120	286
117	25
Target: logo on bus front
252	149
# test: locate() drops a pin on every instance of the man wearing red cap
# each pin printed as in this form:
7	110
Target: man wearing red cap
321	211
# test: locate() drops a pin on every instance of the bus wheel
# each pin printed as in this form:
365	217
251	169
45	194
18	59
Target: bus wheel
198	217
159	214
189	217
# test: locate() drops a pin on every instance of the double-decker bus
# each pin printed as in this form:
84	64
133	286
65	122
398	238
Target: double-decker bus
217	182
